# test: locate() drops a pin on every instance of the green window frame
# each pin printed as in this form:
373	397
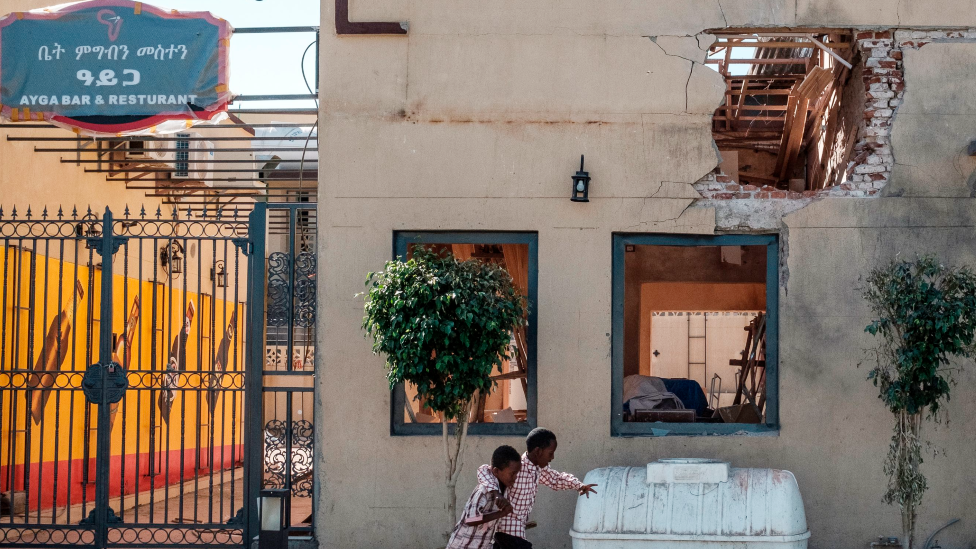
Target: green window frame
401	241
620	428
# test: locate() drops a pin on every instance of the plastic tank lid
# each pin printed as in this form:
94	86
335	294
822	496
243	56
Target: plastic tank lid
687	471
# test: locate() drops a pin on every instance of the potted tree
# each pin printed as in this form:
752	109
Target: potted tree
925	316
444	326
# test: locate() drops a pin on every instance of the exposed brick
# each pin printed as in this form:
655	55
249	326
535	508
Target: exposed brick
778	194
902	35
750	188
888	64
896	55
878	176
723	179
809	194
866	169
881	94
722	196
883	34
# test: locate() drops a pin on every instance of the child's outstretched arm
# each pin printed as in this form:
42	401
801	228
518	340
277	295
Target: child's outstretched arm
564	481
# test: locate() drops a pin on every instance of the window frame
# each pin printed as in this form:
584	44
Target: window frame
401	240
620	428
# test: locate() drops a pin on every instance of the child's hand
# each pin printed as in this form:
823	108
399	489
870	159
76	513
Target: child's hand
501	502
507	508
587	489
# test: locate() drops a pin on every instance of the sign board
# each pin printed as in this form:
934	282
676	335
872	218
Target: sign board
111	67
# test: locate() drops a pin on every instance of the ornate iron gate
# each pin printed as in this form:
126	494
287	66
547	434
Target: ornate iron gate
125	345
288	373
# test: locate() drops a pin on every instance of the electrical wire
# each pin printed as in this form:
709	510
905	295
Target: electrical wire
301	165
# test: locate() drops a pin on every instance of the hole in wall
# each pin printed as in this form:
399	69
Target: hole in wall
793	107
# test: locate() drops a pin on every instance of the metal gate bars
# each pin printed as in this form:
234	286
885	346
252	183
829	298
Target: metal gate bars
124	348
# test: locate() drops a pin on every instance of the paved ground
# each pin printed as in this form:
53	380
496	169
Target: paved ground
199	503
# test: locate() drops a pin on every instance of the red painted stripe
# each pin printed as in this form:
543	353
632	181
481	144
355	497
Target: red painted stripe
51	496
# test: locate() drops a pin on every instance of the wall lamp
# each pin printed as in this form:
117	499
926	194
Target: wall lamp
581	184
273	515
218	274
171	258
88	230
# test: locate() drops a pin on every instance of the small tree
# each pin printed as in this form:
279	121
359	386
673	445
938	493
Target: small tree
926	315
444	326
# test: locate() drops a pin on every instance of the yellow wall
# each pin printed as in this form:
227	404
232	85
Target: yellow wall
23	339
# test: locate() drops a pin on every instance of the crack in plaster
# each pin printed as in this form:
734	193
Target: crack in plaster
784	256
724	18
691	70
656	222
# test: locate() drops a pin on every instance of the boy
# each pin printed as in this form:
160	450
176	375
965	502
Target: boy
540	448
476	528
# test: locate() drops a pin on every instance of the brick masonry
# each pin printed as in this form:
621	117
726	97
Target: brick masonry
872	159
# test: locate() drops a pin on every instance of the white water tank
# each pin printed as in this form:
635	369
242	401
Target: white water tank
690	504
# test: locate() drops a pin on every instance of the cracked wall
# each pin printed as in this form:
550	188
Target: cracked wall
475	122
872	162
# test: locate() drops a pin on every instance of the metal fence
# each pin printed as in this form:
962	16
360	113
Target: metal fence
129	349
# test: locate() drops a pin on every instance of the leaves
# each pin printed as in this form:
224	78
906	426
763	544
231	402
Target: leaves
927	315
443	325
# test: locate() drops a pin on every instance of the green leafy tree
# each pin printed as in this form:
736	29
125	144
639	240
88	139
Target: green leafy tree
926	316
444	325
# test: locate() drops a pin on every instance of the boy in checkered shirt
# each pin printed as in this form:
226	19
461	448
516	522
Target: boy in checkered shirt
540	448
476	529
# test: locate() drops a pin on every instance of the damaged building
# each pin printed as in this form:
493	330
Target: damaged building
749	162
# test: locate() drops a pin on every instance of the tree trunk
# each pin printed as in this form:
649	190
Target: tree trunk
911	427
453	453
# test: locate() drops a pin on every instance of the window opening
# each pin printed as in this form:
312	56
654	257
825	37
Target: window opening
182	165
510	407
792	107
694	319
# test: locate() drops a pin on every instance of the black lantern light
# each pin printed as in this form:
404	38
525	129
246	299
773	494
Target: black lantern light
218	274
581	185
273	511
171	258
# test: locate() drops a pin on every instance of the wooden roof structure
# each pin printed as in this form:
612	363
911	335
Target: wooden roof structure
779	86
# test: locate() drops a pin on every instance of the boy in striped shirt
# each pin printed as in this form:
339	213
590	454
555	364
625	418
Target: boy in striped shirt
540	448
476	529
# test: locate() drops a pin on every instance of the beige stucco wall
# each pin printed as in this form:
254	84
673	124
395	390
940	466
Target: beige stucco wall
476	120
